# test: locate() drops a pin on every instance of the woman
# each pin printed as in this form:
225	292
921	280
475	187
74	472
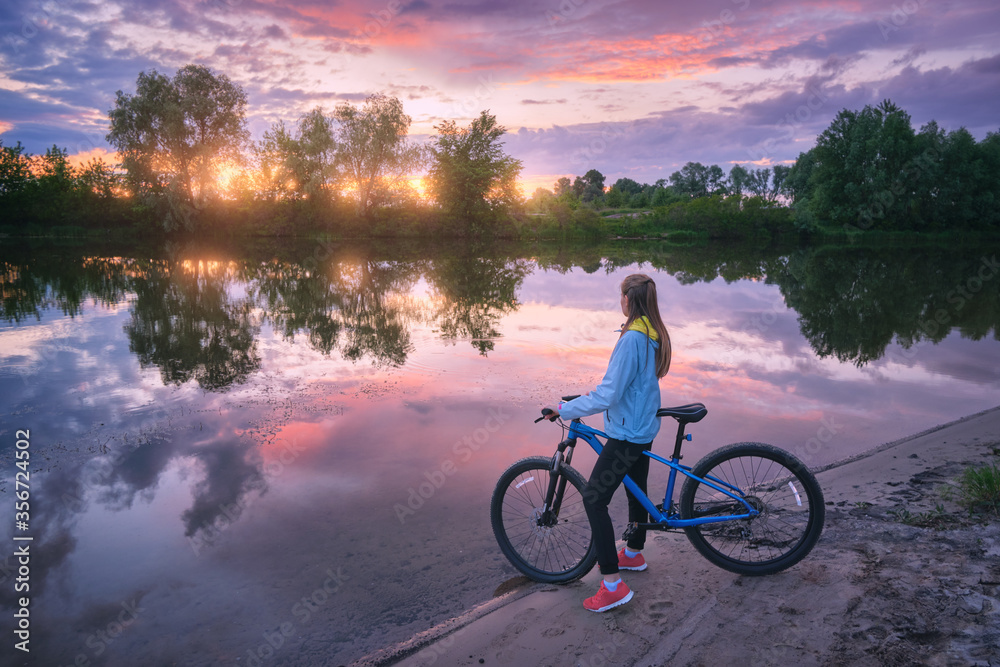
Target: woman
629	396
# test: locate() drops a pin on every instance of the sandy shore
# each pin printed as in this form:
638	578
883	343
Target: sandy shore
874	591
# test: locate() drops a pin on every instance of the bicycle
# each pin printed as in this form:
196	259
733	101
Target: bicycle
748	507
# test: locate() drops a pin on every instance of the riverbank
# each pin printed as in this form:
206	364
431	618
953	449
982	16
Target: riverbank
877	589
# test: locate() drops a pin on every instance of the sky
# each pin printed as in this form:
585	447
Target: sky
632	89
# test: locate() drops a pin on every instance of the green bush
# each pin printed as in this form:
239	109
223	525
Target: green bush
587	222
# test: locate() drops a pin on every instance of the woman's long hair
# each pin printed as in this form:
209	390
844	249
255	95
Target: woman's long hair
641	292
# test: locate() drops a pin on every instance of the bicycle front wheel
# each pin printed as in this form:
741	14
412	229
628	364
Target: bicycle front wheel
785	494
555	546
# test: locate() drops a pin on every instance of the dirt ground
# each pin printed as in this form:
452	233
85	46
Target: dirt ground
901	576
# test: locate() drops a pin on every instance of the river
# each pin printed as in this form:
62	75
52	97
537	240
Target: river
284	454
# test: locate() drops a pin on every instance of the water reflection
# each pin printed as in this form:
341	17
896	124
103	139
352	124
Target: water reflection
200	320
186	323
290	408
474	293
853	303
352	305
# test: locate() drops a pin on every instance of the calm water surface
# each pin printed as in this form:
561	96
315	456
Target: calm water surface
285	456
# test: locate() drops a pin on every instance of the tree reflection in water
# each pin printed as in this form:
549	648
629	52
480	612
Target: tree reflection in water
853	303
185	322
200	320
350	305
474	294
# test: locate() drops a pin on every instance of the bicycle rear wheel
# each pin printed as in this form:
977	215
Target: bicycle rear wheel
772	481
556	549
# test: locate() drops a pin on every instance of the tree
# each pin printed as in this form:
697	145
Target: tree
173	135
738	180
99	185
98	178
471	177
716	183
690	180
54	187
562	186
696	180
373	150
301	166
314	164
569	198
540	201
273	174
615	198
956	179
860	169
591	186
779	174
638	200
663	196
757	181
15	179
797	181
628	187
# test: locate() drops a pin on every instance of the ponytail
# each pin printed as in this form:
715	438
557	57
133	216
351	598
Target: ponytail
641	292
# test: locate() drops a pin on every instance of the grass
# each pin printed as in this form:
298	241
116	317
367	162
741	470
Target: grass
979	489
937	518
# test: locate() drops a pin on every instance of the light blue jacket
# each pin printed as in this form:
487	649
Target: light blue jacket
629	394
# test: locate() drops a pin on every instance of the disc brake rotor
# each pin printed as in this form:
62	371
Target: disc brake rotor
541	531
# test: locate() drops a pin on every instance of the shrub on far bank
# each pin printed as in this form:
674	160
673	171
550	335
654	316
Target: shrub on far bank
726	217
582	222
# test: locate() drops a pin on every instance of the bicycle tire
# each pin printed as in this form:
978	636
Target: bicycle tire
555	554
789	523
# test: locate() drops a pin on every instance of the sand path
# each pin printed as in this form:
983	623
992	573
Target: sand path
875	591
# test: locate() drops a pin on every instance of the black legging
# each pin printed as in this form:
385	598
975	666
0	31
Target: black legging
617	459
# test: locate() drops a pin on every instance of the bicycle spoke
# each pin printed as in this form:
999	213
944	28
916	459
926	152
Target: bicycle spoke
782	531
542	544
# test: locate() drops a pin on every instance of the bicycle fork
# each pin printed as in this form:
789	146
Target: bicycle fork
557	483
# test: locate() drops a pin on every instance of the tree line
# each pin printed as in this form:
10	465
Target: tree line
691	181
47	189
187	162
871	170
696	199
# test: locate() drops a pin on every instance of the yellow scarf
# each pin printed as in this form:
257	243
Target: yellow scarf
643	325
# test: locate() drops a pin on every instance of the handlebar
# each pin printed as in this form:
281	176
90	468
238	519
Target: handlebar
545	413
548	411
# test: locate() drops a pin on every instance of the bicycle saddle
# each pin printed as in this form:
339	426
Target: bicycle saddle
685	414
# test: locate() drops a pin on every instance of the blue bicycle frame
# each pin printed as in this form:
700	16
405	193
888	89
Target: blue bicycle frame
578	429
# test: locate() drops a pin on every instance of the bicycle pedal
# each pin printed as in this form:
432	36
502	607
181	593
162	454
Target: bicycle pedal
630	530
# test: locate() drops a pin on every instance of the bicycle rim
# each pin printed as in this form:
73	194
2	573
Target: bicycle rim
556	551
778	486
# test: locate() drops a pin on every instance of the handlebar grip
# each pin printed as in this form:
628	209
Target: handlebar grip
545	413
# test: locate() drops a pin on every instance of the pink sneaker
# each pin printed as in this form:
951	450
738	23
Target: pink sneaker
638	563
606	599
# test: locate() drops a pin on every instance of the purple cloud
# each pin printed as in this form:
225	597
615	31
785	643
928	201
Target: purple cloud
734	82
